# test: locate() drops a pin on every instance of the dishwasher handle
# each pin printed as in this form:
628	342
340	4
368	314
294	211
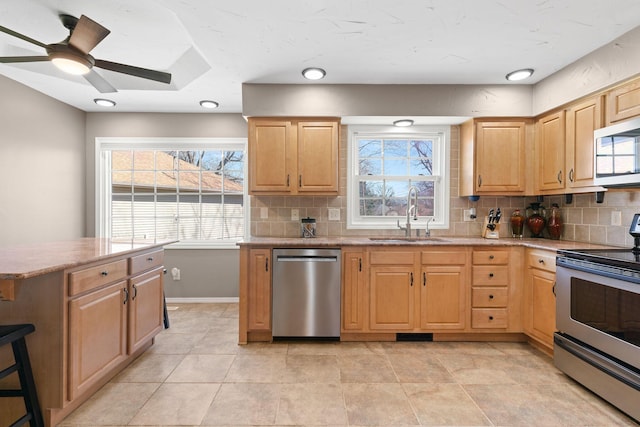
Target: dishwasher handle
306	258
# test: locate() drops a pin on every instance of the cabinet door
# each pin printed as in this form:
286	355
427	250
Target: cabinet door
540	306
550	152
354	300
623	102
318	157
582	119
500	157
97	336
145	308
442	297
392	297
259	297
272	155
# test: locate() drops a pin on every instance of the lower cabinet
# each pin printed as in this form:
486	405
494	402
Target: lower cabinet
539	297
97	336
145	307
259	292
418	291
354	291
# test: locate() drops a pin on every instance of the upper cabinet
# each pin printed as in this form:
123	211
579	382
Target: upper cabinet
492	157
581	120
623	102
550	148
293	156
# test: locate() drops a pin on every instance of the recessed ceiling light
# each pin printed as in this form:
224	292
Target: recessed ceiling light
314	73
519	74
209	104
104	102
403	123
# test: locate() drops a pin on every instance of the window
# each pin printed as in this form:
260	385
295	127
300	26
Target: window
385	162
192	191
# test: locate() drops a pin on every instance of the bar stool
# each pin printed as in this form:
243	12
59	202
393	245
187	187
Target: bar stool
14	335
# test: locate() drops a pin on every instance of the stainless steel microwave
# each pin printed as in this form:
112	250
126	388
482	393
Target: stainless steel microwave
617	155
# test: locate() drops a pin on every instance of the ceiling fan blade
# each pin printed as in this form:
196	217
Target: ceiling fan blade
99	82
87	34
144	73
22	36
14	59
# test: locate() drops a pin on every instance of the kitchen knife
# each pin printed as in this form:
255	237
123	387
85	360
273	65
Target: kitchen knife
490	220
498	215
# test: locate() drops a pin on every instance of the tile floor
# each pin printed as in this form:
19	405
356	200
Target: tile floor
196	374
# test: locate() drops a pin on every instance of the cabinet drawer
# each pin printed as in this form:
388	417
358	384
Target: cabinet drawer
542	260
392	258
489	297
489	318
94	277
492	257
490	275
144	262
443	258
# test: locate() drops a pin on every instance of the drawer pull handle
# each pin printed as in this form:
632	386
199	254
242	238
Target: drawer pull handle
540	261
266	264
491	257
411	284
490	274
490	296
424	279
104	273
150	259
135	292
126	296
490	317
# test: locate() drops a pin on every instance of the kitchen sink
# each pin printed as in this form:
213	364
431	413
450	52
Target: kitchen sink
407	239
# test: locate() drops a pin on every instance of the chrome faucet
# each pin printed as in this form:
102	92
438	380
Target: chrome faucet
412	206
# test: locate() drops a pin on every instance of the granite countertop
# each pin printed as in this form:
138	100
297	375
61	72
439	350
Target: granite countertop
25	261
545	244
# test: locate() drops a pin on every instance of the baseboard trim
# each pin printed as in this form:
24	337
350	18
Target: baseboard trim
199	300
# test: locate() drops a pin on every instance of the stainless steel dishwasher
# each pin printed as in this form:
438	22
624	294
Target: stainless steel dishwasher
306	293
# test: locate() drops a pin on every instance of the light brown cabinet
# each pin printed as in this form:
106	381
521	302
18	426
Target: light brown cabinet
581	120
259	290
354	291
623	102
539	297
492	157
293	156
550	152
418	291
490	289
145	306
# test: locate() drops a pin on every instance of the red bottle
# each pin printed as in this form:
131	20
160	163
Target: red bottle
554	226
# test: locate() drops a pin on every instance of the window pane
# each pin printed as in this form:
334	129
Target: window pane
369	148
395	167
189	228
395	148
166	228
144	227
144	160
188	182
189	205
121	160
233	227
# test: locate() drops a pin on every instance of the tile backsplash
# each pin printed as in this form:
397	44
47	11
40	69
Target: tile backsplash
584	219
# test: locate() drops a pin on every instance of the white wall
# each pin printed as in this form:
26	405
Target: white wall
42	167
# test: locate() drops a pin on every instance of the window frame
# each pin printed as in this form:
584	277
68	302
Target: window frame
442	180
103	179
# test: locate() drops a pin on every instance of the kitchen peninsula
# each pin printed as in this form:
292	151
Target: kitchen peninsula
455	288
96	305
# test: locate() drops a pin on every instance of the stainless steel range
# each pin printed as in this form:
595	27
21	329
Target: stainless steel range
598	321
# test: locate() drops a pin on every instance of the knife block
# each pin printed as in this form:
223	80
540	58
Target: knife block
487	231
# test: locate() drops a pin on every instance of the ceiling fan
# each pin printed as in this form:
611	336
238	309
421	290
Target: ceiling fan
72	54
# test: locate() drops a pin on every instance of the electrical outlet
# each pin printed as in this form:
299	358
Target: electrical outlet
334	214
616	218
295	215
467	215
264	213
175	273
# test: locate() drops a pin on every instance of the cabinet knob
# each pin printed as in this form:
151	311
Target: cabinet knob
490	317
490	296
490	274
104	273
540	261
491	257
150	259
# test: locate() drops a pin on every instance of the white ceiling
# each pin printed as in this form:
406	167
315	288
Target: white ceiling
212	47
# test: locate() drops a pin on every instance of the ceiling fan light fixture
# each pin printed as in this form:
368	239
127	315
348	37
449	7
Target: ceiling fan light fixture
403	123
104	102
205	103
517	75
313	73
69	61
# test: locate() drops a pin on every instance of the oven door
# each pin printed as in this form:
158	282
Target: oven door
602	312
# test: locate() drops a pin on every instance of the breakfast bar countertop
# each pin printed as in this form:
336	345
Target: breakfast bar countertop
31	260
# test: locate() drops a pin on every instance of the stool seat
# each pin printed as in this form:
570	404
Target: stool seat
15	335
